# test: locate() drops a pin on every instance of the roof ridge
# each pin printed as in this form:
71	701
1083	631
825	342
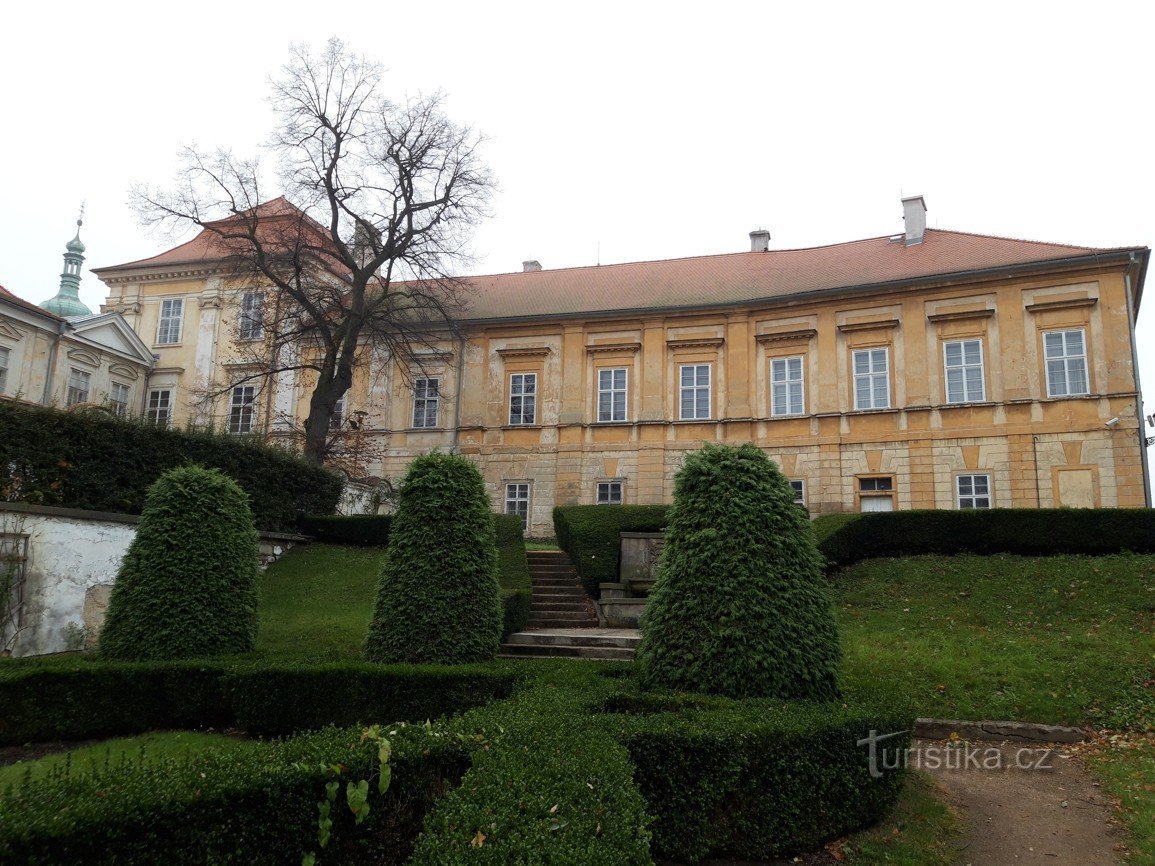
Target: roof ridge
1024	240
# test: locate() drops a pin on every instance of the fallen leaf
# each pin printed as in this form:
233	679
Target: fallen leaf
477	840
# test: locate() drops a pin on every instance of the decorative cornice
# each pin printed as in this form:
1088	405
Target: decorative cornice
524	351
786	336
1065	304
123	307
123	370
958	315
10	331
213	301
167	370
182	274
867	326
599	348
84	357
696	343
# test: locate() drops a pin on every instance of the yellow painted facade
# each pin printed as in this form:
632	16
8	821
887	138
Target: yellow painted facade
1035	447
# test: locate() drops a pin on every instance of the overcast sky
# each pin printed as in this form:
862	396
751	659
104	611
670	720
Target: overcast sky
645	131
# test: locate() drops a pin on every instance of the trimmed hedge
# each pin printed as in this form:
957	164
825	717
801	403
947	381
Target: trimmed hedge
97	461
846	539
357	530
513	573
591	535
187	585
257	806
756	780
66	701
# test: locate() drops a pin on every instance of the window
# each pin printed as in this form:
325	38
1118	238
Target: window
337	419
517	501
1066	356
159	409
241	408
876	494
523	398
872	379
799	488
79	383
694	392
964	371
612	394
786	387
168	326
609	493
118	396
427	402
4	356
251	322
974	491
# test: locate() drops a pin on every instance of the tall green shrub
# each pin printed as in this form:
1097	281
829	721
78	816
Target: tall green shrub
187	586
740	607
437	600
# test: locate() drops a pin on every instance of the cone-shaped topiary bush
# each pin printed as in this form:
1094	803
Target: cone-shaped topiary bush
187	586
438	599
741	605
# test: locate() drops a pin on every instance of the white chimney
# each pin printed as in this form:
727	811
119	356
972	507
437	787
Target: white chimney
759	241
914	220
531	265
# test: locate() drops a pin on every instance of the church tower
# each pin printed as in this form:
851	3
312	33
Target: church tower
67	301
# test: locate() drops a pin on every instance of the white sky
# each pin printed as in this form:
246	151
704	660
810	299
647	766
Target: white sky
652	130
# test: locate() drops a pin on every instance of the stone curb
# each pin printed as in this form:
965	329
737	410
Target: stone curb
1032	732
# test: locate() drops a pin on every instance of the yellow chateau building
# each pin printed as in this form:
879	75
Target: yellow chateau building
930	369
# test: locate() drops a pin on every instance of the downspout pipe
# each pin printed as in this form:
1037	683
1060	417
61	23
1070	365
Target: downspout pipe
457	387
1134	261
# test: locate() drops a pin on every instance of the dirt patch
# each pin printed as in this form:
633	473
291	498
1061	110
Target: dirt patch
1023	804
31	751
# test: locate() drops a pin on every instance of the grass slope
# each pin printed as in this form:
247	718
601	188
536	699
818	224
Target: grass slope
921	831
1127	769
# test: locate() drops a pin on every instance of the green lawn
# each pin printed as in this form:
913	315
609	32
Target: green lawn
1063	639
1127	770
112	753
921	831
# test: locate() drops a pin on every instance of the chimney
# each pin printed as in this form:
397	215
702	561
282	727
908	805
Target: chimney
531	265
914	220
759	241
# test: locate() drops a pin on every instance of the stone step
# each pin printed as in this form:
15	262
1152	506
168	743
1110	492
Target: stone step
523	651
562	622
556	581
546	554
558	593
581	612
552	569
557	588
571	606
578	637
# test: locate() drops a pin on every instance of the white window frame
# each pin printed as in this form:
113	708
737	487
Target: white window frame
870	487
159	410
337	419
119	407
611	392
973	497
526	398
793	389
798	485
963	366
79	387
604	492
5	360
1066	362
518	499
165	334
694	389
870	376
242	409
251	319
423	399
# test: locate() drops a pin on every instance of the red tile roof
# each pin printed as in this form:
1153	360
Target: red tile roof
742	277
6	295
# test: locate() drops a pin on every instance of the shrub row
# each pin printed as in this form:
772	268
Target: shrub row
96	461
255	806
845	539
100	699
357	530
591	535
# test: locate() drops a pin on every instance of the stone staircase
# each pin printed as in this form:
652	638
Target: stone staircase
559	601
581	643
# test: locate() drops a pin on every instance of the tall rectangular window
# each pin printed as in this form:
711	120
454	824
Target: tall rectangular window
612	394
786	387
4	360
337	419
241	408
872	379
251	321
694	392
169	324
159	409
517	501
118	396
963	360
79	385
427	402
523	398
799	488
1066	357
974	491
609	493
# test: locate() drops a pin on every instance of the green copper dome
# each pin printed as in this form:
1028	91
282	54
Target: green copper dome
67	301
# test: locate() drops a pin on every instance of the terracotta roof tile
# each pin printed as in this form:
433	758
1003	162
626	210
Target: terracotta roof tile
28	305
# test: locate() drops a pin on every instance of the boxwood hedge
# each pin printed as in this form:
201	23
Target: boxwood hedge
591	535
357	530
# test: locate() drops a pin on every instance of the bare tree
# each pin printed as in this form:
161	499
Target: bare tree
357	257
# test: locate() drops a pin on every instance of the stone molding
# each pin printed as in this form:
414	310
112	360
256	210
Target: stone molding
598	348
802	335
524	351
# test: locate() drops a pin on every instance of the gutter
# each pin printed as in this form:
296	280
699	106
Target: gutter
1131	310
